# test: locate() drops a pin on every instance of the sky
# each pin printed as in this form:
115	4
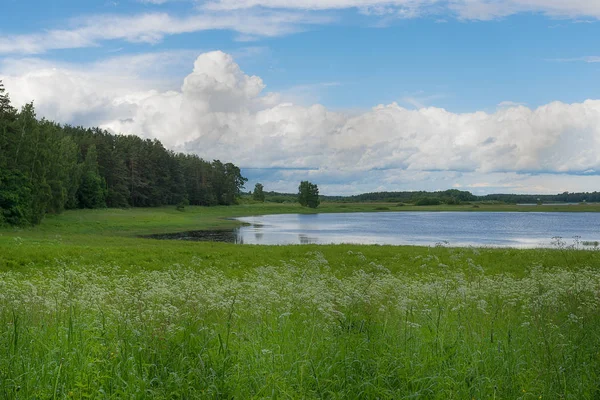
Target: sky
490	96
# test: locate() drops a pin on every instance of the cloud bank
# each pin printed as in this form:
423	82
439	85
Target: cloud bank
221	112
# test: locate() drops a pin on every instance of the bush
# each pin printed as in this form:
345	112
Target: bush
279	199
182	204
428	201
452	201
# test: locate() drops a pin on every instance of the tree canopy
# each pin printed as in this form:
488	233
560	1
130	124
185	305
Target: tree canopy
308	194
47	168
259	193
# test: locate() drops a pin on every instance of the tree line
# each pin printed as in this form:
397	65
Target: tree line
452	196
565	197
455	196
46	167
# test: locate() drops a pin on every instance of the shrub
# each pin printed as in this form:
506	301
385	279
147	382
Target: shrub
182	204
428	201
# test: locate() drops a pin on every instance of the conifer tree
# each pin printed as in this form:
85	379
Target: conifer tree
91	192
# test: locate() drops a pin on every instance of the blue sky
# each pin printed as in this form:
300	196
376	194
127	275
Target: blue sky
357	95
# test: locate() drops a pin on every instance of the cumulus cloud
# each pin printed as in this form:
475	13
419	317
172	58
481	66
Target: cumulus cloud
221	112
92	94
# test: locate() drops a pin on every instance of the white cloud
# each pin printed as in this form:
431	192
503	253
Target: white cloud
377	6
253	19
153	27
420	99
467	9
220	112
91	94
587	59
510	104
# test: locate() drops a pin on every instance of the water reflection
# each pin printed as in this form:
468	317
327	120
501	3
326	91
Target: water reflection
226	236
307	240
524	230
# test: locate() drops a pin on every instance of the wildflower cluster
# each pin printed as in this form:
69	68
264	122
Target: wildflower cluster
297	327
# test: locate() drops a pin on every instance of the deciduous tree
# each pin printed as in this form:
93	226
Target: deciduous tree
259	193
308	194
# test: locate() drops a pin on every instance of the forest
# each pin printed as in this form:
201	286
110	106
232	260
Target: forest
46	168
452	196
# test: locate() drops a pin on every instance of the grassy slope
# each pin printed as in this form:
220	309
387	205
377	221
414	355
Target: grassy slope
110	235
88	310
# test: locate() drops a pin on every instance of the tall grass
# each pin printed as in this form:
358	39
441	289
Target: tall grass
299	329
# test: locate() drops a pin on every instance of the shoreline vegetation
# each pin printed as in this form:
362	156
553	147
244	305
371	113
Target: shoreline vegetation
88	310
114	235
133	222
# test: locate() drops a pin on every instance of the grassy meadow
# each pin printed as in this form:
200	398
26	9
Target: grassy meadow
90	310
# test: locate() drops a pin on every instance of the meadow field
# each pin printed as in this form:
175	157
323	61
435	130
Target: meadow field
90	310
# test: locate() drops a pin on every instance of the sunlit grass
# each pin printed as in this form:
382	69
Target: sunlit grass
298	329
87	310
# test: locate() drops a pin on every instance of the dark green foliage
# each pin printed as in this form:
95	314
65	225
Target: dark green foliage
91	193
452	196
259	193
197	175
182	204
15	198
275	197
428	201
308	194
5	106
45	168
234	182
566	197
227	182
27	154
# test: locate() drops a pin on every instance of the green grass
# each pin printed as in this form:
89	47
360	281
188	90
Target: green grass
88	310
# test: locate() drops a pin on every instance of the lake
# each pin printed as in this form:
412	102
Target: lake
493	229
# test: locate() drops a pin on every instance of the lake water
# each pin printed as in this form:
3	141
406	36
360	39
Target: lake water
501	229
